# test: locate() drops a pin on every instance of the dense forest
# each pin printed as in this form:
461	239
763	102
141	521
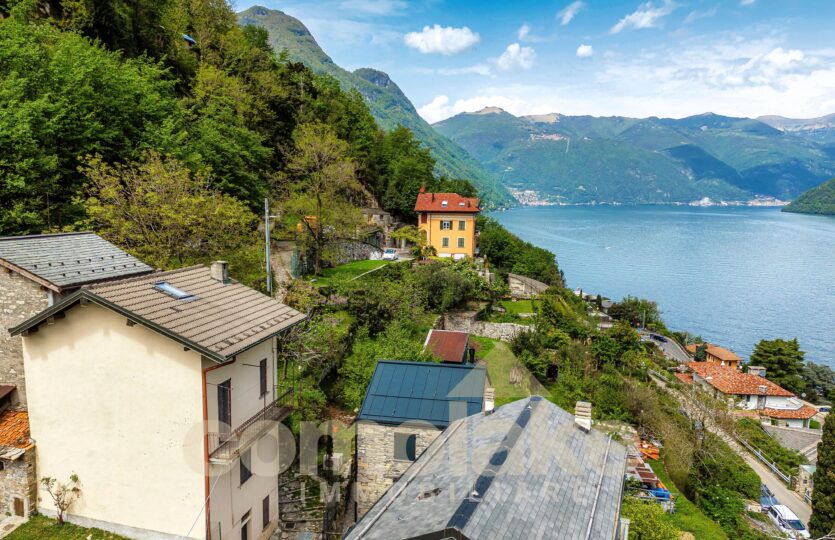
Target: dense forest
163	126
818	200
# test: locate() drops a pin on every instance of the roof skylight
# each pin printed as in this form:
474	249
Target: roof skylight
171	290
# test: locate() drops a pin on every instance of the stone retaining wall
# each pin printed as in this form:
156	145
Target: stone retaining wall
465	321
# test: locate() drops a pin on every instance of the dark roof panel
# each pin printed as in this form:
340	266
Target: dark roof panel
409	391
69	260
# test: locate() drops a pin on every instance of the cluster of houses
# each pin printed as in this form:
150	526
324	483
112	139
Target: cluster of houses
159	391
720	376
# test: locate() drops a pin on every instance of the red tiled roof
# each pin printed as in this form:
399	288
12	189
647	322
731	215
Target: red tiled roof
729	381
802	413
686	378
14	429
719	352
434	202
447	345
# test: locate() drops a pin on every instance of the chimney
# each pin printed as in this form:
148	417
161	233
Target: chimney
582	415
422	188
762	389
489	400
220	271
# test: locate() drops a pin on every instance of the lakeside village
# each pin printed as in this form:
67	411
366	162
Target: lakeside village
434	381
531	197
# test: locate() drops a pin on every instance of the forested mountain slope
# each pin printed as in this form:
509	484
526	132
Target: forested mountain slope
584	159
818	200
387	102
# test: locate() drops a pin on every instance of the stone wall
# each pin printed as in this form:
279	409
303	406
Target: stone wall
465	321
20	299
18	481
377	469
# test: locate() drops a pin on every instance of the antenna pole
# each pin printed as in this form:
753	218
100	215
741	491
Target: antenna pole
267	247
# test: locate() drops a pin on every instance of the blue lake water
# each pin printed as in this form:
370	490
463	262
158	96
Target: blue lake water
733	275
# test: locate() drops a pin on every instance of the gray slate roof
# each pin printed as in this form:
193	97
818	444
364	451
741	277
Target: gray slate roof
535	285
535	473
68	260
436	393
219	319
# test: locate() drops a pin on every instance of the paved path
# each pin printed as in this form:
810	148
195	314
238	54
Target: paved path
783	494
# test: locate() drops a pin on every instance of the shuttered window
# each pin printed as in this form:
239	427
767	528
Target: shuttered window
262	369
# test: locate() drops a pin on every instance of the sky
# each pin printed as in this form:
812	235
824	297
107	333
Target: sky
667	58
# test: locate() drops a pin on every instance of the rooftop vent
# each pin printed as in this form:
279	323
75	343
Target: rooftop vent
444	203
582	415
462	203
220	271
171	290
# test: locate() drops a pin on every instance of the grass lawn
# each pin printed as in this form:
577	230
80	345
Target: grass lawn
508	376
43	528
520	306
687	516
346	272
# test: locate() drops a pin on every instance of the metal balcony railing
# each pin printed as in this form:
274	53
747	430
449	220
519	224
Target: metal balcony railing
225	446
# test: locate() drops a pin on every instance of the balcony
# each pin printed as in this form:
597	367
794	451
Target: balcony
225	447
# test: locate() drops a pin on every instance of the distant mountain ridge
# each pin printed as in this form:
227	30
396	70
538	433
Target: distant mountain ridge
387	102
586	159
821	129
818	200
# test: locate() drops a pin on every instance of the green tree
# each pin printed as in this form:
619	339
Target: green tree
823	497
325	189
636	311
648	521
169	217
701	352
783	362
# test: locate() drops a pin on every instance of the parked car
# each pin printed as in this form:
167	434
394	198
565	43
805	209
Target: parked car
767	499
787	521
390	254
662	339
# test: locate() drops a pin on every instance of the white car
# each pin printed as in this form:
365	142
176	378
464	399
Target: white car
787	521
390	254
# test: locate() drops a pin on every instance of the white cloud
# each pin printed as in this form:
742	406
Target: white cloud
747	2
442	40
570	11
375	7
523	32
585	51
648	15
516	57
440	107
695	15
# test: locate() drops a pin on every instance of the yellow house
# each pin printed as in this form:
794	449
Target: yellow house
447	220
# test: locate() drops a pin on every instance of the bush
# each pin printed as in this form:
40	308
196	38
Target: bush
786	460
647	520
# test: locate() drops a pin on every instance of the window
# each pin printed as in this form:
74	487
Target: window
262	371
265	512
423	218
461	242
246	466
445	242
405	446
224	408
446	225
444	203
171	290
462	225
245	526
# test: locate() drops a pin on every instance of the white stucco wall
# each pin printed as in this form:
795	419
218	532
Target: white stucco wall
121	406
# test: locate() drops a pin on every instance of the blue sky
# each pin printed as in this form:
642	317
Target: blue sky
630	58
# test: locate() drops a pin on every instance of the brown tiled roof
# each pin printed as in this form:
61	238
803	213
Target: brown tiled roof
218	319
686	378
722	353
447	345
14	429
730	381
434	202
802	413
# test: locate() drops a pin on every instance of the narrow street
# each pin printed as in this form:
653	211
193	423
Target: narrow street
782	492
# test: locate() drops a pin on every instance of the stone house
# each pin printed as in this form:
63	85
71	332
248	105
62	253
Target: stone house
529	470
524	287
18	490
174	423
36	272
407	405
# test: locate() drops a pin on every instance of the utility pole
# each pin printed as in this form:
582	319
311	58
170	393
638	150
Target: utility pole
267	247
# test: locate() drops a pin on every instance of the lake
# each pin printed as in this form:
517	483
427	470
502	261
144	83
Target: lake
733	275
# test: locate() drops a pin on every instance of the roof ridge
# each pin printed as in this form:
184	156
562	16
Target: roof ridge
154	274
437	364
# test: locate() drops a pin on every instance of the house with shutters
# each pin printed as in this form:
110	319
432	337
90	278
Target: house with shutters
448	223
750	392
37	271
716	354
160	392
407	405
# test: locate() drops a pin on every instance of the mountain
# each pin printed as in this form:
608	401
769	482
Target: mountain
818	200
821	129
387	102
586	159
